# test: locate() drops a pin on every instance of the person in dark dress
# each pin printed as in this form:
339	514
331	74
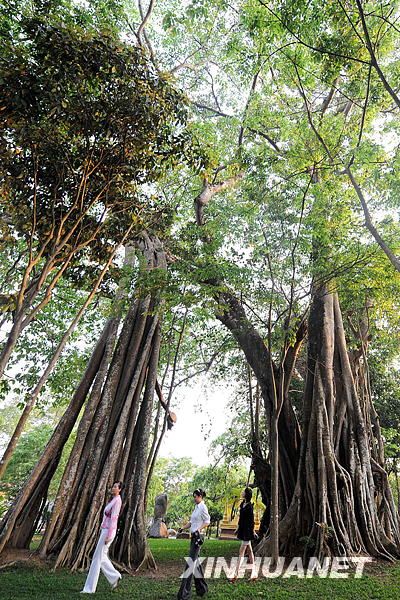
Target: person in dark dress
245	532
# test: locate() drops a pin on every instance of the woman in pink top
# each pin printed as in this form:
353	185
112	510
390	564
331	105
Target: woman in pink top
108	530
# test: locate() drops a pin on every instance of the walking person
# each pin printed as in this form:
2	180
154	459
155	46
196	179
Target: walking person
245	532
199	519
100	558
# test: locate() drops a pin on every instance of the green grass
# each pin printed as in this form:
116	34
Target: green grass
32	583
164	550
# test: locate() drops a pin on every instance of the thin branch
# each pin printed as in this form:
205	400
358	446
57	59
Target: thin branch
218	113
314	48
266	137
213	90
364	112
351	22
309	116
374	60
142	30
369	224
145	17
385	19
246	108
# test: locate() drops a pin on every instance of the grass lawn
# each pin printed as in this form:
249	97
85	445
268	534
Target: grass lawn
19	581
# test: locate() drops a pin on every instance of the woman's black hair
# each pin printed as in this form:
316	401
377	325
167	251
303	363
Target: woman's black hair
248	494
199	492
120	484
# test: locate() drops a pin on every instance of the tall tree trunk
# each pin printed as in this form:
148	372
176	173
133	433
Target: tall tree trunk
18	525
260	466
111	442
336	508
49	369
111	445
131	547
100	452
233	316
274	524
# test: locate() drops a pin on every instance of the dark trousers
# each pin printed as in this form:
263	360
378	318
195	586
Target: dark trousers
199	581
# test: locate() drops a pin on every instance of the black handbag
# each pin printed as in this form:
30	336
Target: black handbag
198	539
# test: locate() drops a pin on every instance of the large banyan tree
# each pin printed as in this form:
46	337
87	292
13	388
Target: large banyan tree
332	494
90	121
116	393
325	479
307	129
342	502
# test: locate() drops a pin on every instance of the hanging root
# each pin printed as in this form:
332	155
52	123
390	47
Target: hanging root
148	562
342	504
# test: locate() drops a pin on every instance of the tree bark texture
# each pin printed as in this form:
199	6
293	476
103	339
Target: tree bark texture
111	443
233	316
18	525
342	502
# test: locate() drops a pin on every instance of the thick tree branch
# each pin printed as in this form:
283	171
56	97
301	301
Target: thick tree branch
209	190
231	313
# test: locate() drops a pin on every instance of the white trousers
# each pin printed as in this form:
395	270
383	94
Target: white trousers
101	561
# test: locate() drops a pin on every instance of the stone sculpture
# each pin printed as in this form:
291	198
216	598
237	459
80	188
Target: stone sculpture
158	528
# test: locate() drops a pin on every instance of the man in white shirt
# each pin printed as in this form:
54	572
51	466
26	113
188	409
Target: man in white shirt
198	521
